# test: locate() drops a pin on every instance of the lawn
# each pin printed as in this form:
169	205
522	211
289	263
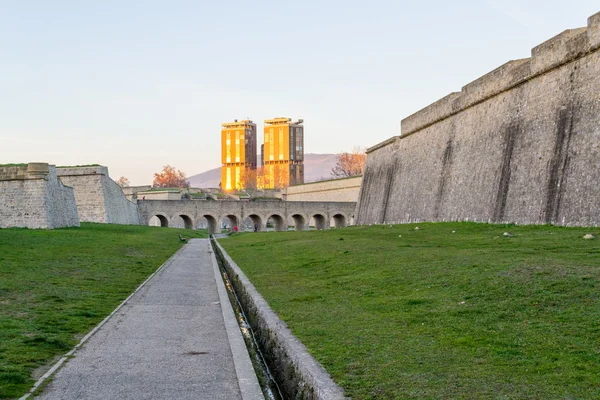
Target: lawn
395	312
56	285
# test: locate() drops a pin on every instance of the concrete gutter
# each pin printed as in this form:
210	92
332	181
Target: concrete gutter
297	373
247	380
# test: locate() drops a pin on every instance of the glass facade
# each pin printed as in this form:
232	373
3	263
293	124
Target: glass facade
238	153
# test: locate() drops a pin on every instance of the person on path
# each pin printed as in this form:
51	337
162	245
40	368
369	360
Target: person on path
255	227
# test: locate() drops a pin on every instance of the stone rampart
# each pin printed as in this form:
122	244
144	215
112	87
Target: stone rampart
346	189
131	192
99	198
119	210
520	144
156	194
32	196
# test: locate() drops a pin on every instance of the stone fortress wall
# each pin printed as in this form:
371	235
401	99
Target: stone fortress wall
166	194
32	196
99	198
345	189
131	192
35	196
520	144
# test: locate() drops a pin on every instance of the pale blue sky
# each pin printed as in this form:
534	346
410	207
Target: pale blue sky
135	85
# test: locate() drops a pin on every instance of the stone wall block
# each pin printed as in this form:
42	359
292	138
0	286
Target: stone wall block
558	50
36	199
99	199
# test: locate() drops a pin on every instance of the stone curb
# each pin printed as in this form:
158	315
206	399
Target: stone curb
298	374
64	358
247	380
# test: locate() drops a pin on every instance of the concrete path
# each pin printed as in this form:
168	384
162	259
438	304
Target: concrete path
176	338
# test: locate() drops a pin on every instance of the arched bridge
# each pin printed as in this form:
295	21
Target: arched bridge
247	215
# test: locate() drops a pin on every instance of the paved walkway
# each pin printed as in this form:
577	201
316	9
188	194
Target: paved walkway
176	338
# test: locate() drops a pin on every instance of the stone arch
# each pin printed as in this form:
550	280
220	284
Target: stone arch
299	221
256	220
201	223
246	225
339	220
279	223
212	224
187	221
159	219
320	221
234	220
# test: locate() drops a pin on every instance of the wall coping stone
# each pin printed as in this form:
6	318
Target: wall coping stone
21	172
382	144
82	171
325	181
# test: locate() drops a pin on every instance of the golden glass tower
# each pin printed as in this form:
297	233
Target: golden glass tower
283	153
238	153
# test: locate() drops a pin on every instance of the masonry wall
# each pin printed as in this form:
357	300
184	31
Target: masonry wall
131	192
60	200
333	190
160	195
119	210
197	211
31	199
99	198
521	144
88	192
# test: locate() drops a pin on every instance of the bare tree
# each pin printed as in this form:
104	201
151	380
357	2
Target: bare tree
123	182
349	164
260	178
250	180
281	178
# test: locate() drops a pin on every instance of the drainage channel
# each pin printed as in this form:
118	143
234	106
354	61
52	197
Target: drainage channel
267	383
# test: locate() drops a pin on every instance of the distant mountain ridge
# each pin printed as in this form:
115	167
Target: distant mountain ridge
316	167
207	179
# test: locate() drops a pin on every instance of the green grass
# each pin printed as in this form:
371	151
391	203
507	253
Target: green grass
435	314
56	285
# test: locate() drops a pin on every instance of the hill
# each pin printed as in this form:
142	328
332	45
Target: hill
316	167
207	179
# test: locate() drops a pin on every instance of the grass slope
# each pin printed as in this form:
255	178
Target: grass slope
56	285
438	315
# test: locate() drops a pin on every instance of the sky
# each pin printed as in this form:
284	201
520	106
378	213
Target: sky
136	85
